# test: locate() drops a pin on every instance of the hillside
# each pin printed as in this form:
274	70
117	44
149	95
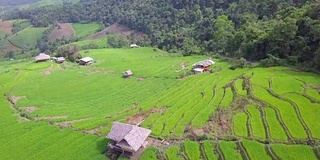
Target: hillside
116	29
27	37
266	113
63	30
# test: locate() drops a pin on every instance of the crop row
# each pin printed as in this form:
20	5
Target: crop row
232	150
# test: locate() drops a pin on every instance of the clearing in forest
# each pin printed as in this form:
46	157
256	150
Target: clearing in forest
116	28
62	30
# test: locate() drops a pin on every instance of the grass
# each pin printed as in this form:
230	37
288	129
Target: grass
309	112
85	29
38	140
2	35
228	97
287	112
293	152
27	37
149	154
229	150
240	125
172	153
192	150
314	94
288	84
256	122
95	43
97	95
239	87
209	151
275	128
255	150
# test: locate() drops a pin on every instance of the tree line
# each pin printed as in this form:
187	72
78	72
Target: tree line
288	31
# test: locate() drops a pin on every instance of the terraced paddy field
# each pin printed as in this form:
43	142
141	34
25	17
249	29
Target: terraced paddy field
258	113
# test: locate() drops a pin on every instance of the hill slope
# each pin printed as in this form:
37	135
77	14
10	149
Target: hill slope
234	114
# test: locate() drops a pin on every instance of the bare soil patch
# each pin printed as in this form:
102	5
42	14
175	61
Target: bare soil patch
138	118
14	100
6	26
62	30
183	66
140	79
67	124
117	29
31	109
48	71
51	118
99	70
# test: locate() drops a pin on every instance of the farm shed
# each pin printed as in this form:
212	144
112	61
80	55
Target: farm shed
127	138
86	61
42	57
134	46
202	66
127	73
60	59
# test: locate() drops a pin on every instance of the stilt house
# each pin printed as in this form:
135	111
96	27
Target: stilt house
127	138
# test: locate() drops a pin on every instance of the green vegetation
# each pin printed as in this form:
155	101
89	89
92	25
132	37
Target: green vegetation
309	112
81	102
92	44
314	94
281	85
293	152
240	124
229	150
256	150
208	150
276	130
27	37
192	149
256	122
239	86
85	29
172	153
287	112
149	154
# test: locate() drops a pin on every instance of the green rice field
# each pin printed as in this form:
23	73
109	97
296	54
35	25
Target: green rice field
85	29
64	111
27	37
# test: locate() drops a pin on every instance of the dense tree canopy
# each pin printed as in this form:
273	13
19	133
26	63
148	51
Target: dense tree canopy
288	30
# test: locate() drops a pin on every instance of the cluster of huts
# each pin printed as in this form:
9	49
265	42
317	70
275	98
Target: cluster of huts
42	57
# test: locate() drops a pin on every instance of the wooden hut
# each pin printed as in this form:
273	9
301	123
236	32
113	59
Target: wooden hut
127	138
42	57
60	59
202	66
127	74
86	61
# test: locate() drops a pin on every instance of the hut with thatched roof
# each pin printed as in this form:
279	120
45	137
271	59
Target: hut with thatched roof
127	73
42	57
127	138
60	59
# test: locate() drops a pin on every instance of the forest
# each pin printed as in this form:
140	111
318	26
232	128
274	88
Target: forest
278	32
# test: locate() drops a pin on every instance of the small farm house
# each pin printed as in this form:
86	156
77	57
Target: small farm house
127	73
127	138
202	66
42	57
60	59
86	61
134	46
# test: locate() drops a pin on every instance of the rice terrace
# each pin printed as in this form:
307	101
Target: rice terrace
267	113
159	80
